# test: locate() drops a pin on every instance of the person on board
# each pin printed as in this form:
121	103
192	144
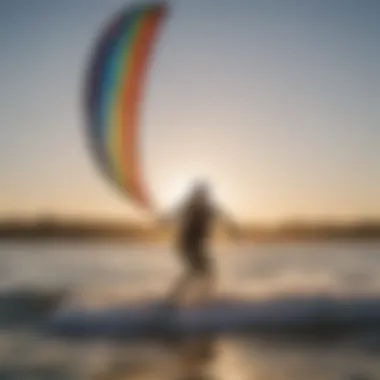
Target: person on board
196	218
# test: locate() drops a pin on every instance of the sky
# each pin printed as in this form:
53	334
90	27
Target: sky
276	102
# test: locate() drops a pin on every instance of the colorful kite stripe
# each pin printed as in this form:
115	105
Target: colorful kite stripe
114	94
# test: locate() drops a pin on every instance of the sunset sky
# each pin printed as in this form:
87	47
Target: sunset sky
276	102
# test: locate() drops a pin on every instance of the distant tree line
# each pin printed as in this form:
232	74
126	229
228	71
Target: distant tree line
46	228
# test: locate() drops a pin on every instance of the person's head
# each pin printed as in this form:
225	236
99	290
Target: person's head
201	192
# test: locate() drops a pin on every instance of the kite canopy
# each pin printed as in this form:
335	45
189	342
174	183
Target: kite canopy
114	93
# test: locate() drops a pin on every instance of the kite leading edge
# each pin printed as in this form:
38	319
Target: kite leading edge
114	94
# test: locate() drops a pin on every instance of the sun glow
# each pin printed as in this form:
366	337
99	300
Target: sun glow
174	191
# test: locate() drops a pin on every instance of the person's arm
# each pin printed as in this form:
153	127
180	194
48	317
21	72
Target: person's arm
232	227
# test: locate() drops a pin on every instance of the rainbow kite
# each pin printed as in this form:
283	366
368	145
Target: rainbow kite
114	93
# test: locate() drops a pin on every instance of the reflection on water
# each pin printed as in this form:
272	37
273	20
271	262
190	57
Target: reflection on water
213	359
105	274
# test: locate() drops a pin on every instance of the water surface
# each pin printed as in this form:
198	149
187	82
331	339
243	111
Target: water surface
104	274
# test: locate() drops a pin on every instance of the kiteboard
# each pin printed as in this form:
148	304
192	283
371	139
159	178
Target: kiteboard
148	319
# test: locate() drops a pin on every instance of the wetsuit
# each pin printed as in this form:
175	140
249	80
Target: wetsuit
195	229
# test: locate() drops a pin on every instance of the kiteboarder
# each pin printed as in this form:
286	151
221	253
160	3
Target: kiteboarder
196	218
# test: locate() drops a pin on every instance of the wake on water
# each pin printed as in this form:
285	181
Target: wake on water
312	318
316	317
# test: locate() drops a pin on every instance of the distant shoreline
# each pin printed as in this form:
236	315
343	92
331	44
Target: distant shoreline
48	229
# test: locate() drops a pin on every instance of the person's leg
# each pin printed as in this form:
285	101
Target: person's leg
204	275
198	272
206	286
180	287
